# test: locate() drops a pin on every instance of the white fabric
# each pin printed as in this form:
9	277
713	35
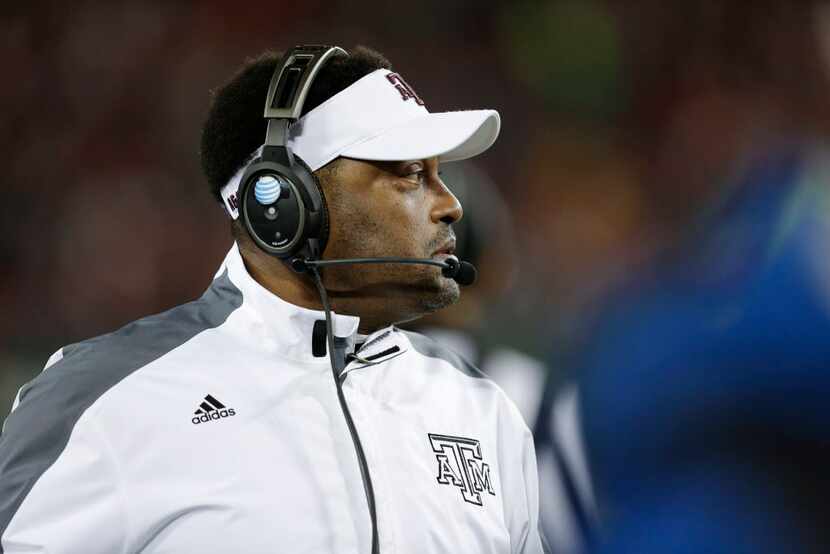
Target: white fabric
281	475
380	117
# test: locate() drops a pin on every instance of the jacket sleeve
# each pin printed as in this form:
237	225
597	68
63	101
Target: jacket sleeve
59	487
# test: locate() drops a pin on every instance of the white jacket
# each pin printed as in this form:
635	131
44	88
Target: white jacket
213	427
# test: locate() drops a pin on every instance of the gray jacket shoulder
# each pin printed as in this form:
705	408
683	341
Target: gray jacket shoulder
49	406
147	339
427	346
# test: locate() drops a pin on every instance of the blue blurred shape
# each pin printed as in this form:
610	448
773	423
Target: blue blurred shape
706	388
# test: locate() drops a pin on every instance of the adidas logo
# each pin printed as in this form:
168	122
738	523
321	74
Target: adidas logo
210	409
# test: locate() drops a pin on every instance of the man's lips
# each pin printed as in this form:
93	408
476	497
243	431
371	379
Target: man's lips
447	249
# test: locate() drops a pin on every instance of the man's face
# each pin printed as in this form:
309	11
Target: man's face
380	209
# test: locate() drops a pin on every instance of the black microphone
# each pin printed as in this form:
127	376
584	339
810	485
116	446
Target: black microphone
463	273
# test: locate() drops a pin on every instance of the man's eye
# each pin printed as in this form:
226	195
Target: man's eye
419	176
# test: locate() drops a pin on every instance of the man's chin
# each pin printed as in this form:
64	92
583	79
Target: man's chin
427	300
386	303
427	295
439	295
413	293
430	290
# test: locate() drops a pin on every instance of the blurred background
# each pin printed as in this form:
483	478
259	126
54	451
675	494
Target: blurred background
658	162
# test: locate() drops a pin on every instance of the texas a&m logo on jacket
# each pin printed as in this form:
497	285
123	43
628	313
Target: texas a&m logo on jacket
460	463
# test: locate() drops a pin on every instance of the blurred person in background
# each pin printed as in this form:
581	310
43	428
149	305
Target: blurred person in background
103	451
698	424
486	238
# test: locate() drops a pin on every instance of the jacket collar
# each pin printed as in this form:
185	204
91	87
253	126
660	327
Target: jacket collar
277	323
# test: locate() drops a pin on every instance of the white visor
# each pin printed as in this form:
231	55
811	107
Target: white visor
381	118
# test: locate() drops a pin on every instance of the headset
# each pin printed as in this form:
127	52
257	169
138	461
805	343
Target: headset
282	205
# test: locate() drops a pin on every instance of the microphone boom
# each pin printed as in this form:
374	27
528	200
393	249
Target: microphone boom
463	273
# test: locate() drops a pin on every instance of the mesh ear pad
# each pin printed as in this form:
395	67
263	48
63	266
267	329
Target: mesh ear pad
322	234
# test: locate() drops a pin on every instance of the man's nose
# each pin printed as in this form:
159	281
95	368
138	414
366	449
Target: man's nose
447	208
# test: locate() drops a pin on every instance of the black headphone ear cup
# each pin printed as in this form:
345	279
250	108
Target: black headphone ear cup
299	221
277	224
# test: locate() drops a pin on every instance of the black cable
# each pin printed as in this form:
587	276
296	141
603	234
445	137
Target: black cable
358	447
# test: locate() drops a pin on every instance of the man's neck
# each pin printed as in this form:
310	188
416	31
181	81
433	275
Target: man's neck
278	278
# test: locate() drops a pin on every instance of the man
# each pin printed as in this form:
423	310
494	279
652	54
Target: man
219	427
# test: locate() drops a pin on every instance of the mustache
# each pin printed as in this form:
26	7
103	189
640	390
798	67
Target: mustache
441	239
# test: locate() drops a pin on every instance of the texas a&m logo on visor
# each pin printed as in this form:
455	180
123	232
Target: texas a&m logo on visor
460	464
403	87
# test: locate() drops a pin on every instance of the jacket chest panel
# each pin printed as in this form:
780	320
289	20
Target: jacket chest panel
435	475
280	472
282	469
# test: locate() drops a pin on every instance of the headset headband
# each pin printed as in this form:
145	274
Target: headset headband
289	87
280	201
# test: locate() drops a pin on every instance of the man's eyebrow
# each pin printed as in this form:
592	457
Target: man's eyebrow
394	167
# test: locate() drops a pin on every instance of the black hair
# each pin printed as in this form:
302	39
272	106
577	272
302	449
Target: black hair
235	126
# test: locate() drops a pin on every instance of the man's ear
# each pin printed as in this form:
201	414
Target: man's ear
240	235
